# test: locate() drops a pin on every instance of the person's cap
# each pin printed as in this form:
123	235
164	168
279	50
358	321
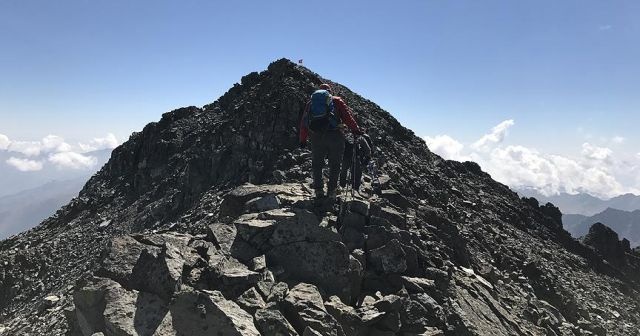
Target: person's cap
325	87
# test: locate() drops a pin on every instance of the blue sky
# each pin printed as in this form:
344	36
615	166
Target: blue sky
566	72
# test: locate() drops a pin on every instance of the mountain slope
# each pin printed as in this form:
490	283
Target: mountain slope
169	238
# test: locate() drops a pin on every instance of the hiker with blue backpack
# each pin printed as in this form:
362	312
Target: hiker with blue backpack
321	121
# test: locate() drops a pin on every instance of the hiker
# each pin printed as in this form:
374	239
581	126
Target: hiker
355	162
321	121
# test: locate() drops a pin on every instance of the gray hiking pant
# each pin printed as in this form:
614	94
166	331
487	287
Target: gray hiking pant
329	145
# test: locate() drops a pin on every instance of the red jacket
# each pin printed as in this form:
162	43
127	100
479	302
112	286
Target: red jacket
342	111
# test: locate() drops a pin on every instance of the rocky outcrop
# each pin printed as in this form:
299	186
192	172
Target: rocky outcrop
212	229
605	241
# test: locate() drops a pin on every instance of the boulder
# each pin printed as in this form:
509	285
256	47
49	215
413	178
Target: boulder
102	305
325	264
258	263
267	202
272	322
159	273
235	201
228	272
346	315
303	307
206	312
120	258
419	311
254	231
359	206
304	226
133	313
388	259
396	198
251	300
222	235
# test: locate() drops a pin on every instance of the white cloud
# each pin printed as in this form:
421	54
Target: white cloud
28	148
519	166
497	135
617	139
596	153
446	146
72	160
4	142
25	165
594	170
49	144
54	143
605	27
108	142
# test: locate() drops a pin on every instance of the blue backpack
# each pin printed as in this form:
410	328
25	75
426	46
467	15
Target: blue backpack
322	116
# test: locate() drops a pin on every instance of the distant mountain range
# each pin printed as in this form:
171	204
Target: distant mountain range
585	204
625	223
26	209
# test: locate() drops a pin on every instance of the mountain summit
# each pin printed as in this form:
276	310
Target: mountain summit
202	223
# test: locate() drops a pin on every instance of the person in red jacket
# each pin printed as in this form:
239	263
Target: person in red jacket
328	143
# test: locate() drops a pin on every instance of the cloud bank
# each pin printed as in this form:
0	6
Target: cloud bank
52	150
596	170
72	160
497	135
24	165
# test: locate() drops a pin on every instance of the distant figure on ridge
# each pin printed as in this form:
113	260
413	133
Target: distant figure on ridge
322	117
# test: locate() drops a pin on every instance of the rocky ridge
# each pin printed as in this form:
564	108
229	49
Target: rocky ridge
203	223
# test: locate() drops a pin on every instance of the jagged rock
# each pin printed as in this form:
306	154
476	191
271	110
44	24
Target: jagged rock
136	313
251	300
604	240
389	215
50	301
360	207
223	236
416	285
230	272
302	227
203	312
158	272
256	232
395	197
389	258
234	202
303	307
325	264
278	292
121	257
264	203
353	321
102	305
258	263
420	311
272	322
